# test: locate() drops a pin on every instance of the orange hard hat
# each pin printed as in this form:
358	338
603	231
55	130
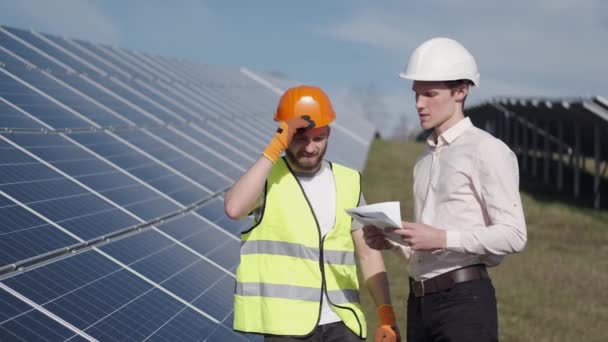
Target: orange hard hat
310	102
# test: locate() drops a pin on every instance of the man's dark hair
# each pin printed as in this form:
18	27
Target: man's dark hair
457	83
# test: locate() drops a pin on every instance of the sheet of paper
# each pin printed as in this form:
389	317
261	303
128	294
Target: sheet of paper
381	215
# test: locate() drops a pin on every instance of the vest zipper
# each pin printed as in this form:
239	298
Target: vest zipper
321	238
321	257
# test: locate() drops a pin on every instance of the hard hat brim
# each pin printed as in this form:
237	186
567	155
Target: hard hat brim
475	80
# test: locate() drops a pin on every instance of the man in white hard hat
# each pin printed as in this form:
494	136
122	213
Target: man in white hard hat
468	211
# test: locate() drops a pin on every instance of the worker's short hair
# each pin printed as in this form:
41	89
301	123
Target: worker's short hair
457	83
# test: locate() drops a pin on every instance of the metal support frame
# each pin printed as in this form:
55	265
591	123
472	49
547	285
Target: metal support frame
597	175
577	160
546	156
534	155
560	162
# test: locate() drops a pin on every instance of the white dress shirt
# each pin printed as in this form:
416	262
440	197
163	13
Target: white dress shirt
468	184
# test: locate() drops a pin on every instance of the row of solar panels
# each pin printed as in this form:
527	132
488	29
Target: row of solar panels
112	169
585	114
561	140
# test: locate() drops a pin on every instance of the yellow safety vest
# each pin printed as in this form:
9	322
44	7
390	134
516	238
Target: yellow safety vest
285	264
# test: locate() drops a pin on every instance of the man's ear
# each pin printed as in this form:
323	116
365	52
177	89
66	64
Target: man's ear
461	92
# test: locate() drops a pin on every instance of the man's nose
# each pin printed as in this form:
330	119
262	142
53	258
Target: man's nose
310	147
419	103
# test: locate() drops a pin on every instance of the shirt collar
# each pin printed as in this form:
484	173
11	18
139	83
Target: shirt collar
452	133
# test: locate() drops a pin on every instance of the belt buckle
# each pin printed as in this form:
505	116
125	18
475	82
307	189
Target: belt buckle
418	288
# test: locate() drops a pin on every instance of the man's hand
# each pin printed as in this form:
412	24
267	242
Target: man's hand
375	238
422	237
387	330
282	139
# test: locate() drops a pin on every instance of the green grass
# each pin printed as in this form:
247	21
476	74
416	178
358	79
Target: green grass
555	290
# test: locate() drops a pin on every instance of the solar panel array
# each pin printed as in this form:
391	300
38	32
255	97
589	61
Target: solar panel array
113	164
561	141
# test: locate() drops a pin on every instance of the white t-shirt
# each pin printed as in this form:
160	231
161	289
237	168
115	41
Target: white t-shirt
321	192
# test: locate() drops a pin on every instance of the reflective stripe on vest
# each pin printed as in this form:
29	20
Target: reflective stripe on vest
295	292
297	250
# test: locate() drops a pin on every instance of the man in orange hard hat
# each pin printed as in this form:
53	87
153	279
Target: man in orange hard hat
297	277
468	211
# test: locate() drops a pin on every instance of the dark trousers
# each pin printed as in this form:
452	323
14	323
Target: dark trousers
333	332
466	312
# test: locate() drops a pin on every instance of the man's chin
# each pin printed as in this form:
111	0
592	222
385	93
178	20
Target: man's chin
308	164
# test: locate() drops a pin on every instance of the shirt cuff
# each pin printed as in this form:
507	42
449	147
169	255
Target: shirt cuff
400	250
453	242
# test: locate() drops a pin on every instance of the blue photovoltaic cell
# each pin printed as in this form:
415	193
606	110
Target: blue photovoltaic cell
185	164
213	161
93	87
69	98
214	211
101	53
171	108
20	322
99	297
224	334
35	104
128	95
51	50
139	319
57	198
229	105
203	106
201	236
144	168
12	118
171	64
260	130
188	325
166	75
222	149
225	130
238	150
74	50
178	270
235	227
23	235
212	101
26	53
98	175
10	62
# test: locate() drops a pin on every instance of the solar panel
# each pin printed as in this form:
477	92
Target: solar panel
113	164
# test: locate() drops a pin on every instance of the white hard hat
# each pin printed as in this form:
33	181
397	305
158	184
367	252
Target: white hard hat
441	59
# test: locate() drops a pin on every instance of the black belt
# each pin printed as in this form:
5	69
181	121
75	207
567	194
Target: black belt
448	280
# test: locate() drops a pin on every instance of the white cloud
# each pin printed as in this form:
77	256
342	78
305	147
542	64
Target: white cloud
544	46
72	18
374	27
524	48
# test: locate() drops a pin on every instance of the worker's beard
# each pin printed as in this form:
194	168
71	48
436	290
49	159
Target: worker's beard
305	163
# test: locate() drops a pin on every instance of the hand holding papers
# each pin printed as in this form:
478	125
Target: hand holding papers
382	215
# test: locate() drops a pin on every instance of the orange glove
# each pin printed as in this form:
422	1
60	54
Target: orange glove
283	137
387	331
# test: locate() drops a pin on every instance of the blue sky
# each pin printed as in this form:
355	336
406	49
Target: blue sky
354	49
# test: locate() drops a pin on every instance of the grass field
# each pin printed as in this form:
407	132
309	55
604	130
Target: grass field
555	290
